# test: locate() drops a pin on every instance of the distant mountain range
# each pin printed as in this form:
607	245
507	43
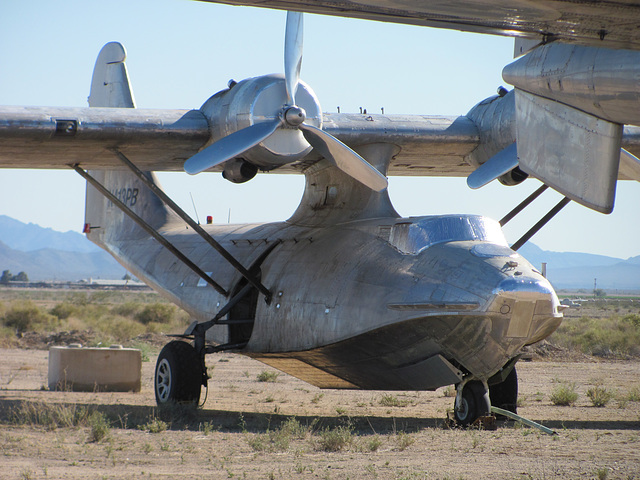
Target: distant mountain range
581	270
27	237
45	254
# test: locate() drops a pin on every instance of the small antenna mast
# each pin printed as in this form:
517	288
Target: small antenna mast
194	208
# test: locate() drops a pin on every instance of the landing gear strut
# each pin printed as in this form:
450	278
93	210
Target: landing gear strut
472	401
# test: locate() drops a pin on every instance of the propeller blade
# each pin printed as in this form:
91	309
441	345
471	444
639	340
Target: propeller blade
344	158
292	54
230	146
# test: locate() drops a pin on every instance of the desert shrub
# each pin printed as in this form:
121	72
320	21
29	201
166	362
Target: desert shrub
268	376
335	439
599	396
99	426
78	298
404	440
127	309
155	425
613	336
374	443
279	439
634	394
564	394
633	319
390	400
7	337
63	310
156	313
120	329
27	316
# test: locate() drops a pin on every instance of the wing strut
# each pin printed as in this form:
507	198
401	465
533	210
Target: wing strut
149	229
543	221
252	279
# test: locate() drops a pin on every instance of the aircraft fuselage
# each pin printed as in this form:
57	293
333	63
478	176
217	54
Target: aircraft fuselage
383	303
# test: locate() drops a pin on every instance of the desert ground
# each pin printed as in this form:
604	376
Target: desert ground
284	428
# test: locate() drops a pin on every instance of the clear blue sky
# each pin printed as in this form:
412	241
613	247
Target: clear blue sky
180	52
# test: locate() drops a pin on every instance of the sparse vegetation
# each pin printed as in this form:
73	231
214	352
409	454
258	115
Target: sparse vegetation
335	439
404	440
268	376
103	317
634	394
599	396
564	394
279	439
155	425
374	443
24	316
615	336
49	416
156	313
389	400
99	427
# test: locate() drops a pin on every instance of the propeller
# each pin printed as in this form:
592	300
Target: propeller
290	116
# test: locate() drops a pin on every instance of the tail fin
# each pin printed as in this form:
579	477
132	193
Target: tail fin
105	224
110	85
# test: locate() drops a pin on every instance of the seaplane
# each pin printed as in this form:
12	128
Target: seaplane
346	293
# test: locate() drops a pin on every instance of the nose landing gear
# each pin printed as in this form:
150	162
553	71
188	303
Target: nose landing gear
472	402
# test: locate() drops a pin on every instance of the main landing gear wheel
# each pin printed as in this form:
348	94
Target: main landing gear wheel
178	374
505	394
473	403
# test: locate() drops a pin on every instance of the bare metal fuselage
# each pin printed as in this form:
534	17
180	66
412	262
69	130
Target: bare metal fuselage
381	303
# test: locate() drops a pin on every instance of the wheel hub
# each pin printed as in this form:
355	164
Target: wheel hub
163	380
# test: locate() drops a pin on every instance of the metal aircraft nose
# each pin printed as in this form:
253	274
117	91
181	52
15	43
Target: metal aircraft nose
528	305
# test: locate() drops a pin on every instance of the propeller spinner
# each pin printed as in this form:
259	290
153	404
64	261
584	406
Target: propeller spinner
275	113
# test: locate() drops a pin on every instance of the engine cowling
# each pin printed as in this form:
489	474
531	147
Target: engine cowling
252	101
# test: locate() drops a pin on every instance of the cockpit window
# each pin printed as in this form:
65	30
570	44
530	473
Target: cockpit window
413	237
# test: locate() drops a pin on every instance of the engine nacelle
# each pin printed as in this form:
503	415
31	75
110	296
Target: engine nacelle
514	177
259	99
496	122
238	170
598	81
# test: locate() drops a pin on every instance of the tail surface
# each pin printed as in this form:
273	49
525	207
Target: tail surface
105	224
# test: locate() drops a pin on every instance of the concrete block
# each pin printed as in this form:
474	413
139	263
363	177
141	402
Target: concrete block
78	369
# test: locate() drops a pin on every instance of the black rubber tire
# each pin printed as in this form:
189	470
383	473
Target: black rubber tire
505	395
178	374
474	404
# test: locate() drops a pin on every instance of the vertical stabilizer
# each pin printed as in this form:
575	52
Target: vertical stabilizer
110	83
106	225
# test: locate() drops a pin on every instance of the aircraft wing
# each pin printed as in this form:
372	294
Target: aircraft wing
611	24
161	140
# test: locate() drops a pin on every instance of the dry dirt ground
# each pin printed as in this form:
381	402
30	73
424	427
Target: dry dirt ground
398	436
